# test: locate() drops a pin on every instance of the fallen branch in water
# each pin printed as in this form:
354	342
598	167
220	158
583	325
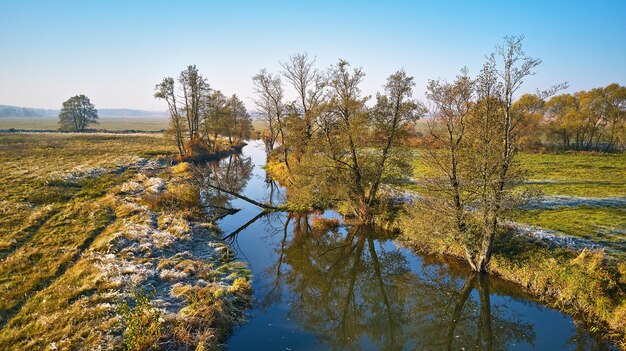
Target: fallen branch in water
222	208
246	225
225	213
244	198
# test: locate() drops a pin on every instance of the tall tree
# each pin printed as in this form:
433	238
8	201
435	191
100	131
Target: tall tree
165	90
194	89
353	147
270	103
344	130
308	82
77	113
238	125
215	115
394	111
452	104
475	135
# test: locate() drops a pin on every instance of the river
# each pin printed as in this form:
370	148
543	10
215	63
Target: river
354	288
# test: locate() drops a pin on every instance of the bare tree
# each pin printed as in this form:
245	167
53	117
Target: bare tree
309	84
452	103
474	134
165	91
270	102
511	64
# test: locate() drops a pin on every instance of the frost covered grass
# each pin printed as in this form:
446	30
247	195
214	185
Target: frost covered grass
41	172
604	225
115	219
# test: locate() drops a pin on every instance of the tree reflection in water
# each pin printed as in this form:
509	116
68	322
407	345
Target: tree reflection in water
350	290
231	173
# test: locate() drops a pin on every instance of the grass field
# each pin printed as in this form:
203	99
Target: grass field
586	175
581	175
87	222
108	123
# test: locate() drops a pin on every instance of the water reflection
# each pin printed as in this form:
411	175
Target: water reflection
350	288
352	291
231	173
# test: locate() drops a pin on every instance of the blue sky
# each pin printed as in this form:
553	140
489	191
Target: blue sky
116	51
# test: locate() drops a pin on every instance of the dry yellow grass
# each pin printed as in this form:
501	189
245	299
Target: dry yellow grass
81	230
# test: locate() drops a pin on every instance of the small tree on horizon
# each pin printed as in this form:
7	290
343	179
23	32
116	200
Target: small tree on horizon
77	113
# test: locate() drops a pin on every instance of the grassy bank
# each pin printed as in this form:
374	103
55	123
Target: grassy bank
591	286
585	284
103	243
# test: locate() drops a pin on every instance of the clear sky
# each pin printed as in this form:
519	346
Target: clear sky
116	51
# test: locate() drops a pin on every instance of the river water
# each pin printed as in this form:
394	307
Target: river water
358	289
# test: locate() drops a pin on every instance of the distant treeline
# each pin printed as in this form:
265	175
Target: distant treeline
585	120
16	111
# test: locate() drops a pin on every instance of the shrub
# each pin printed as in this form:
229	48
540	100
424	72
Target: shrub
176	198
142	323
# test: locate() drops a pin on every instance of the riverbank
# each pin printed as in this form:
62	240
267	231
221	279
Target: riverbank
589	285
104	243
321	284
585	284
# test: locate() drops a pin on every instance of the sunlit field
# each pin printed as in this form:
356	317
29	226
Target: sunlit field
588	191
108	123
83	225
